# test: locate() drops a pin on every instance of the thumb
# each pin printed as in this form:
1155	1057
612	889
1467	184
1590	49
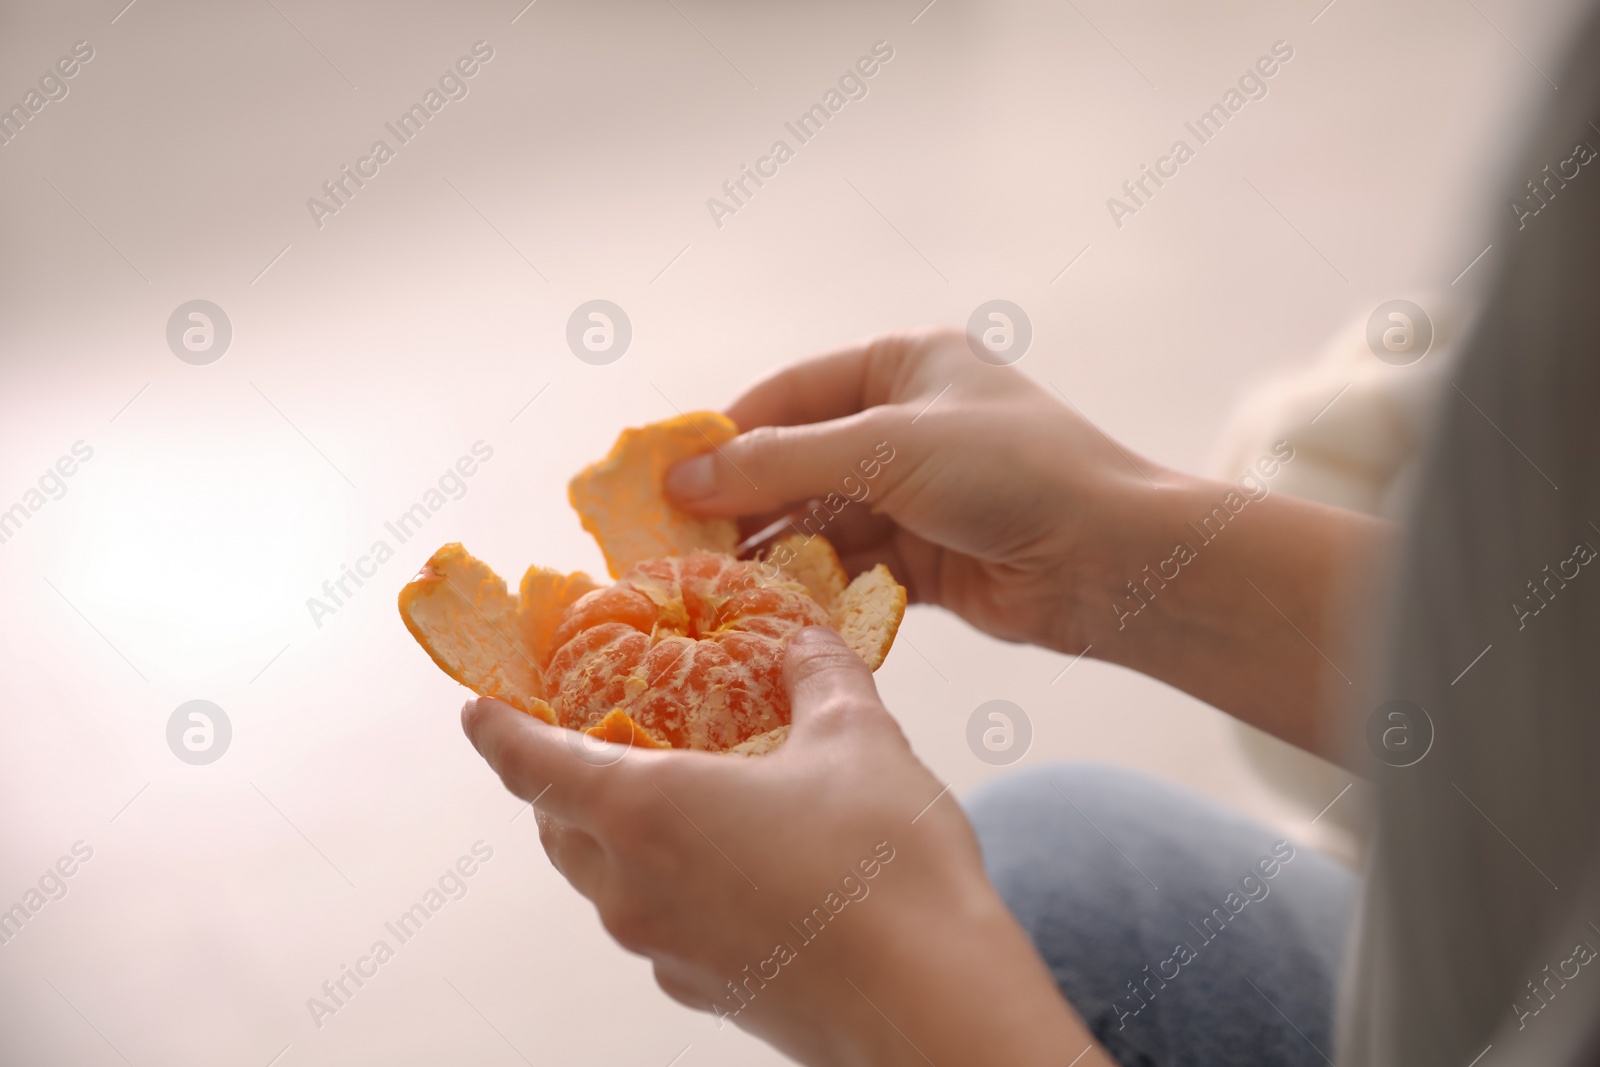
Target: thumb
830	687
772	467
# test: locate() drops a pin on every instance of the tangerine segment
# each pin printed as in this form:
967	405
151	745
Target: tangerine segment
703	669
460	613
622	503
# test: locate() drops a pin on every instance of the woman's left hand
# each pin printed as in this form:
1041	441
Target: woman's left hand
828	897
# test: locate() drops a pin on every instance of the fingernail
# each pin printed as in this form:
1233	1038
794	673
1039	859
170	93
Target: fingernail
691	480
470	714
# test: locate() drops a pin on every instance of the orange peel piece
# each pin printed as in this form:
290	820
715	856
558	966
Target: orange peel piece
813	563
545	594
461	614
868	614
619	728
621	500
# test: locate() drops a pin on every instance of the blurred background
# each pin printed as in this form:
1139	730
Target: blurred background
215	488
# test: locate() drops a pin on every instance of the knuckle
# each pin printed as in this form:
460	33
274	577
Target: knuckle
551	833
882	420
887	351
514	778
838	712
752	447
525	782
630	924
564	845
815	657
680	990
905	351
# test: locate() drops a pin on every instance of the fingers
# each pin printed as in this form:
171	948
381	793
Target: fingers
575	854
893	368
772	466
816	390
533	759
692	986
829	686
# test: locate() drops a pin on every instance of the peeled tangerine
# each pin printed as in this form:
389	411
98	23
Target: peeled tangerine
686	649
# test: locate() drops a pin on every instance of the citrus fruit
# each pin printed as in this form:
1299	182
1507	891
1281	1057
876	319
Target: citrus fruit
685	650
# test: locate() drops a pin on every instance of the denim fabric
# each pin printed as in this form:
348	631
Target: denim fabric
1155	912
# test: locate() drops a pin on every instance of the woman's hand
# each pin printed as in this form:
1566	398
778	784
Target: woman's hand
995	498
1003	504
828	897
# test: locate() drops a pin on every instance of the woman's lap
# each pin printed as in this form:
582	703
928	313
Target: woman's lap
1153	910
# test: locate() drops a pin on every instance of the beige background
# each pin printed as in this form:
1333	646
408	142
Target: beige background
377	349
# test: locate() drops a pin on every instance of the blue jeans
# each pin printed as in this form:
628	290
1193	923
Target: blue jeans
1183	934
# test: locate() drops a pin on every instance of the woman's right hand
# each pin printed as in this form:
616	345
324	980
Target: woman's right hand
974	485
